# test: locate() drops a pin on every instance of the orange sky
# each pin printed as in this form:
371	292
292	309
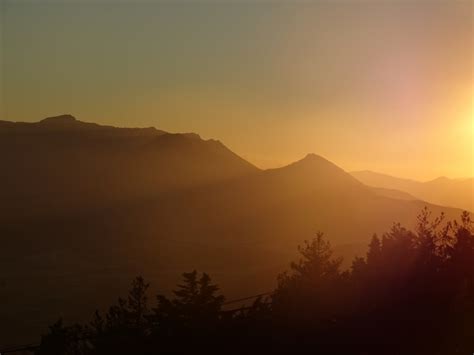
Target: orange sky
386	86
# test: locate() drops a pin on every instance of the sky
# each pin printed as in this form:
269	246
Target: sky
377	85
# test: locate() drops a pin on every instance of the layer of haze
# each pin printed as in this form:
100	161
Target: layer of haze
386	86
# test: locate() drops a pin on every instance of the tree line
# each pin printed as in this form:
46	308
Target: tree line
413	293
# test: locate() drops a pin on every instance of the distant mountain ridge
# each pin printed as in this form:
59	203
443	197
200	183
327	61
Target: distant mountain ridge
457	193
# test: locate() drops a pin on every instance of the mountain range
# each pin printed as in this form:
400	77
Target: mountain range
443	191
84	204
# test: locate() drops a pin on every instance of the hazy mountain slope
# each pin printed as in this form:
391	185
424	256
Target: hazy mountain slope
96	206
442	191
391	193
61	164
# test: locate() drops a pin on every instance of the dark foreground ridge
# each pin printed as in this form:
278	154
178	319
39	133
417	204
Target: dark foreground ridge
413	293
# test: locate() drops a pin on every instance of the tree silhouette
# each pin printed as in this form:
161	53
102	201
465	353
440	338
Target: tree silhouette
412	293
309	291
128	313
62	340
195	302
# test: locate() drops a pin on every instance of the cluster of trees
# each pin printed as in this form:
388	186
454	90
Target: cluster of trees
413	293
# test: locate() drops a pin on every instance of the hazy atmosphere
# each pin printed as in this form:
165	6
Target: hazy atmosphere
274	80
213	176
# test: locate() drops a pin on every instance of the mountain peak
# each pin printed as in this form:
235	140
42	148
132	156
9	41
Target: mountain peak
314	172
312	159
59	120
439	180
313	163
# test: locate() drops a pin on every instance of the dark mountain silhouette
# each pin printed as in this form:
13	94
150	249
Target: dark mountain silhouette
85	207
457	193
60	163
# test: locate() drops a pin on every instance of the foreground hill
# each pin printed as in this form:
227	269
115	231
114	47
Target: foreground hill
88	207
442	191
